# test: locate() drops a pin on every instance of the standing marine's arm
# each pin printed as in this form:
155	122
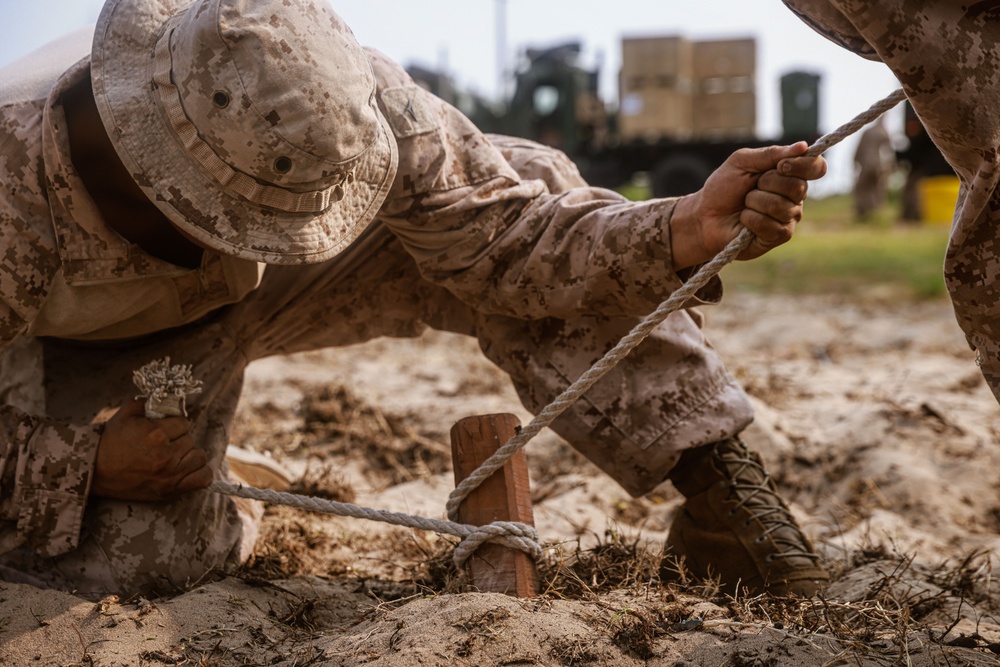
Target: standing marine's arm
945	55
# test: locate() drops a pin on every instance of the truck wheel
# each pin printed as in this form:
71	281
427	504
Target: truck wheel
678	175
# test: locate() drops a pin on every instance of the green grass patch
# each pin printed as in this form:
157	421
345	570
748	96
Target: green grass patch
635	191
831	253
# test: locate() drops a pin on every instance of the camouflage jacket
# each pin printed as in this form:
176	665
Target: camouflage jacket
945	54
502	244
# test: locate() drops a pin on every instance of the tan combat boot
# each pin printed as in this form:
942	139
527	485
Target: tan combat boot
734	526
259	470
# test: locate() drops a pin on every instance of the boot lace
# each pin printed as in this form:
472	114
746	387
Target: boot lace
750	482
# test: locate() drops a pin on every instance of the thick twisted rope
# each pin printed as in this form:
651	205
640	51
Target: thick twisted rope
513	534
509	533
675	302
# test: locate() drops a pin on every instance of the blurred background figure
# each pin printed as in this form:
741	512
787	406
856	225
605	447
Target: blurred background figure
874	163
925	167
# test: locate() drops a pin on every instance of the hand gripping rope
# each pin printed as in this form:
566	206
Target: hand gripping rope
153	377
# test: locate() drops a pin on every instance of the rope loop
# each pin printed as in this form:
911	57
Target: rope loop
511	534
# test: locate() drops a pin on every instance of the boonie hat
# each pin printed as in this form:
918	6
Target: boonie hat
251	124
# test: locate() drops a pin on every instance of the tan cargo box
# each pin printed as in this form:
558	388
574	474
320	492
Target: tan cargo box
725	114
674	88
724	58
655	62
655	113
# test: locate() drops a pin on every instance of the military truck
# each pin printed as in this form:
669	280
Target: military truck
683	107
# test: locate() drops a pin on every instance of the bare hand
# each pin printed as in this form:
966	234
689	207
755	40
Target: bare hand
143	459
761	189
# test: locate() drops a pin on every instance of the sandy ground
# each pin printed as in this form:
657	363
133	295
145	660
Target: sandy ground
873	419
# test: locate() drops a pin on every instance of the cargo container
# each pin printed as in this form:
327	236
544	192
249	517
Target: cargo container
682	108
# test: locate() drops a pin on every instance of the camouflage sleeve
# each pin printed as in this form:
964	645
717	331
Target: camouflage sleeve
45	466
509	245
45	474
532	160
946	55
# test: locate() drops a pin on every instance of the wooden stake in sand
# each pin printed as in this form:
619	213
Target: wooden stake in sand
504	496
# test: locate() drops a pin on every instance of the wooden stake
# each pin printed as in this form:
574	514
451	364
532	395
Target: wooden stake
504	496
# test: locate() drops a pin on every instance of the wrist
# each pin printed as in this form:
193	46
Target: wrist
687	243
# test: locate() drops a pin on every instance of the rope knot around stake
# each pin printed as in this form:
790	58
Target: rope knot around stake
511	534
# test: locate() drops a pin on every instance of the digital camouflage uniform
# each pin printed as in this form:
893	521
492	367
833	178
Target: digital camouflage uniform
946	54
548	274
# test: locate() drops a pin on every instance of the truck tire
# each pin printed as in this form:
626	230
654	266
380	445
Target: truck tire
678	175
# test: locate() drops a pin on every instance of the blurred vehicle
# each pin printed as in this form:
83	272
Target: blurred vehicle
683	107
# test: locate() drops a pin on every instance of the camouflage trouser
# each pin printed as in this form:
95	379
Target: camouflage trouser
669	394
945	55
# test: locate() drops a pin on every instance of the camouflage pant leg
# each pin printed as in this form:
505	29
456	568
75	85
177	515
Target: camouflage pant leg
945	55
671	393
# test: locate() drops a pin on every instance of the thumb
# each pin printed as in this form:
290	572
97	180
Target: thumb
759	160
135	406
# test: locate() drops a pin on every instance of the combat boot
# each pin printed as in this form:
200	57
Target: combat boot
260	470
736	528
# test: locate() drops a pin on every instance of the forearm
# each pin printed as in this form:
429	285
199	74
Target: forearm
587	251
687	243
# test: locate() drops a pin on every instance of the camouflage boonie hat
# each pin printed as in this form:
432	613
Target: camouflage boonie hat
251	124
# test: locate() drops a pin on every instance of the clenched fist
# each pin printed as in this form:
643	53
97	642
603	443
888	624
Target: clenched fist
144	459
761	189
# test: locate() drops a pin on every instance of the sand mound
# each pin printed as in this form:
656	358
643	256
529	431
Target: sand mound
872	417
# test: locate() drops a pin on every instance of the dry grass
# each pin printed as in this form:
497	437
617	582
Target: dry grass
896	609
337	424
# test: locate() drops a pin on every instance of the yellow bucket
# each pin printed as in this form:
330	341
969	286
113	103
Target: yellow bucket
938	195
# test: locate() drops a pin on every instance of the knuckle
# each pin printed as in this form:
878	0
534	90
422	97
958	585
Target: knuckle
158	438
769	181
785	211
161	458
774	208
161	463
753	221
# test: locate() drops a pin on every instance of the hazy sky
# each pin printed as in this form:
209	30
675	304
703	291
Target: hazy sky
461	36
